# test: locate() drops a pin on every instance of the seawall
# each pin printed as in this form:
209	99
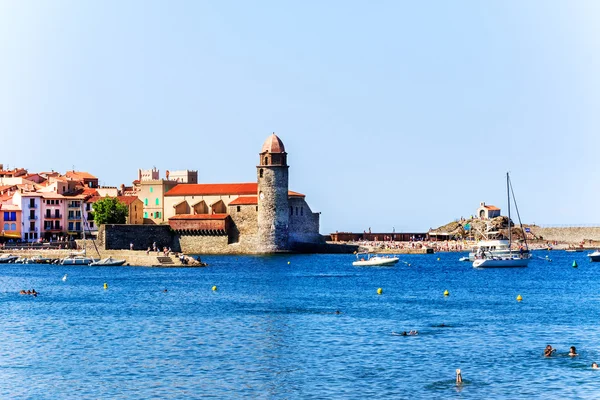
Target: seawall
570	235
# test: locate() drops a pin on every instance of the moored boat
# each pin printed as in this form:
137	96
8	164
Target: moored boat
107	262
77	260
368	260
595	256
38	259
8	258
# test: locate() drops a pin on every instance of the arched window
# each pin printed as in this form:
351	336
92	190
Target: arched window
13	227
145	202
151	189
6	225
266	160
261	172
156	201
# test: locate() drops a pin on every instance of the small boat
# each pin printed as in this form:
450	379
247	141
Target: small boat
509	260
595	256
107	262
367	260
77	260
8	258
41	260
21	260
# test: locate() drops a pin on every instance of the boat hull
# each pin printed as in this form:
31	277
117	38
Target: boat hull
595	256
376	263
107	263
501	263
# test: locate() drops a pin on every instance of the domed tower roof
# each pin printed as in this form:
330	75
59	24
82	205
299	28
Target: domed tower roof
273	145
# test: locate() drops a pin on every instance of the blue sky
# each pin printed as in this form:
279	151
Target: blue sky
394	113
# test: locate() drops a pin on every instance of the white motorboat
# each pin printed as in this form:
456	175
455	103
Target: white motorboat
107	262
77	260
8	258
506	261
595	256
368	260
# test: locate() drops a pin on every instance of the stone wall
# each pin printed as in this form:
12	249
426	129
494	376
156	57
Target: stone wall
304	224
118	237
567	234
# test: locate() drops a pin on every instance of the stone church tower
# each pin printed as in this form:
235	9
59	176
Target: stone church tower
273	204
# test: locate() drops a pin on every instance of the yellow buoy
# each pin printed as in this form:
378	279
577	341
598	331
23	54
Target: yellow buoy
438	259
214	288
519	298
379	291
446	293
106	286
288	263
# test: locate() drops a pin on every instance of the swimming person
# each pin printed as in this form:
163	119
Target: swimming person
573	352
458	377
548	351
594	365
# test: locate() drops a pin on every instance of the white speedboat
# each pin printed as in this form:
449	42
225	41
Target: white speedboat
107	262
367	260
509	260
595	256
8	258
77	260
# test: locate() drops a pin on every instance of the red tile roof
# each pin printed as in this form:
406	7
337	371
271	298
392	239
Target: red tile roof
200	216
216	189
79	175
492	208
127	199
247	200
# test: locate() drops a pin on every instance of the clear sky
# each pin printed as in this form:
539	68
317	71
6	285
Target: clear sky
395	114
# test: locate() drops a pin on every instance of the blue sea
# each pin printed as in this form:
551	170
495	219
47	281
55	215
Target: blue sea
271	331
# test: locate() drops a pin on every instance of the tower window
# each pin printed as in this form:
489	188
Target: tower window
296	211
291	210
239	208
301	210
266	160
261	172
256	208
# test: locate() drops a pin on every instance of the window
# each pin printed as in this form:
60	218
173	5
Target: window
157	214
151	189
145	214
301	210
266	160
157	202
91	224
6	226
239	208
77	226
70	226
256	208
13	227
296	210
261	172
10	215
145	202
291	210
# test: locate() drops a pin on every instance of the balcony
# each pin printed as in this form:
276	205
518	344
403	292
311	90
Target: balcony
32	205
55	229
74	218
33	217
50	216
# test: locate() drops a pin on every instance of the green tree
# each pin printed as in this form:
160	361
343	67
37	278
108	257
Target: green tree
110	210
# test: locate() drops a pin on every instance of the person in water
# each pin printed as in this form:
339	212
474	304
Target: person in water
572	351
458	377
548	351
594	365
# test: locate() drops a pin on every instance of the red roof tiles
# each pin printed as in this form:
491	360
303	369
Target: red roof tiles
200	216
79	175
247	200
216	189
492	208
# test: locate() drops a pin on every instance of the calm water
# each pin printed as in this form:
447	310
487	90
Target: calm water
271	331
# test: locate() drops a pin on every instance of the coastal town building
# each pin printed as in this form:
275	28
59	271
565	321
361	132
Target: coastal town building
487	211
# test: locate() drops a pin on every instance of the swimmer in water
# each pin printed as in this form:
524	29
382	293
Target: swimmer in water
413	333
572	351
548	351
594	365
458	377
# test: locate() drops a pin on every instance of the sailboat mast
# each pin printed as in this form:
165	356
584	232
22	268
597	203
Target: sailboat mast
509	228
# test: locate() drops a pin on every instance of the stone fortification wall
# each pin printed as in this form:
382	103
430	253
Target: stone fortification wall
118	237
304	224
568	234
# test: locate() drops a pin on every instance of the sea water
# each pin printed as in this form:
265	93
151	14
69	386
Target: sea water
270	329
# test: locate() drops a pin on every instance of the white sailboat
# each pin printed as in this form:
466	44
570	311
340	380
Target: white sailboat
510	260
79	258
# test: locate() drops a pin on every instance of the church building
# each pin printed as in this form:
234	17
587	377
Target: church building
250	217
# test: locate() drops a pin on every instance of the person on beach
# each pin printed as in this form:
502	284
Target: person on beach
549	351
458	377
572	351
594	365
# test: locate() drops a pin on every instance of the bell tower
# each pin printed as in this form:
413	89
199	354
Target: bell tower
273	205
